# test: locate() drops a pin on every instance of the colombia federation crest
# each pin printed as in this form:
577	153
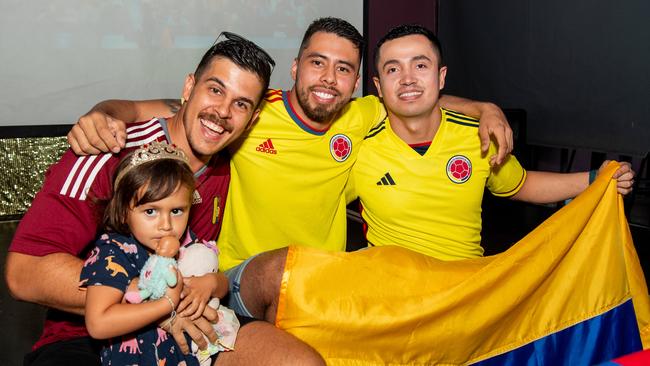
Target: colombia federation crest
459	169
340	147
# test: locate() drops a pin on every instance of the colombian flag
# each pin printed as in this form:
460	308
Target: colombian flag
571	292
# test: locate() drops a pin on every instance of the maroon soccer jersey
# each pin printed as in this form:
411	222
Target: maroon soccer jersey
64	216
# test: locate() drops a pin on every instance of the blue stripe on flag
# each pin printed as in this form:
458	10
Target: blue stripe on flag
599	339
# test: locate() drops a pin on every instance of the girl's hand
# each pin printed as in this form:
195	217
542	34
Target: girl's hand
197	291
175	292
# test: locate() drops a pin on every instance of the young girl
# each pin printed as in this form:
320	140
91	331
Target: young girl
153	190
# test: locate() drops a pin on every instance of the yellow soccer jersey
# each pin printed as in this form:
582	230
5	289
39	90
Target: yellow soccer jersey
429	203
288	180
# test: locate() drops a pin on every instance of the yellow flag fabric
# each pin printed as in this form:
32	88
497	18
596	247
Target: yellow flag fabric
559	296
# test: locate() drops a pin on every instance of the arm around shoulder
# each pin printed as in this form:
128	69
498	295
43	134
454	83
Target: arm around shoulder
132	111
472	108
103	128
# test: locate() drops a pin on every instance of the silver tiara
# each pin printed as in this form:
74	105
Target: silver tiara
151	152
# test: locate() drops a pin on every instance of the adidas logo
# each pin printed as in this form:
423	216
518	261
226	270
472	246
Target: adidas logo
266	147
386	180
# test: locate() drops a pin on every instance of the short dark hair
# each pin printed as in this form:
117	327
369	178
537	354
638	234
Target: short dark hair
407	30
243	53
340	27
162	177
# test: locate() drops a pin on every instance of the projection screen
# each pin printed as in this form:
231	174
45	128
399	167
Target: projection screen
60	57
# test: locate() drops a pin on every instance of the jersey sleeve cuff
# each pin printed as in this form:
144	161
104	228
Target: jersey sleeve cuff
516	189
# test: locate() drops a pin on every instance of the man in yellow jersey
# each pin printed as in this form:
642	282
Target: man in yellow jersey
420	175
290	170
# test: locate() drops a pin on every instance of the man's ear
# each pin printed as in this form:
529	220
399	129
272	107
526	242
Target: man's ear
442	74
356	83
253	119
377	85
294	68
188	86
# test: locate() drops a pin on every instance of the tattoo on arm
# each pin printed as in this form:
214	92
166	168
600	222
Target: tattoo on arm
173	104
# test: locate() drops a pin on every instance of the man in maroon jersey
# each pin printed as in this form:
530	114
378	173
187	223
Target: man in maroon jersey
43	266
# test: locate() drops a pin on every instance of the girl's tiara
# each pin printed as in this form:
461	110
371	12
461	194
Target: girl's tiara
151	152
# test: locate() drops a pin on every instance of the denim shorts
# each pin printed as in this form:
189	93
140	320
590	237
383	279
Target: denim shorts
234	300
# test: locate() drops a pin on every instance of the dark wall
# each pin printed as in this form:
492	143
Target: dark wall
382	15
22	322
580	69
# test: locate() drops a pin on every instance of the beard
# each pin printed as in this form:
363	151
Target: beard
318	113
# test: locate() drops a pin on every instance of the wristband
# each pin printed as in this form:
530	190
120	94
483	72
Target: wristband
592	175
170	322
171	303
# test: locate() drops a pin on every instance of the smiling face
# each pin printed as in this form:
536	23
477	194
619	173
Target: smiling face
151	221
409	79
221	104
326	73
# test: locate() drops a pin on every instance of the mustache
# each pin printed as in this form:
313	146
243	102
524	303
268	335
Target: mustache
321	87
212	117
410	89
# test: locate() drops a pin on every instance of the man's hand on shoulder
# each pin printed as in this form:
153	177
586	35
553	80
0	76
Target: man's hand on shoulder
103	128
96	132
493	124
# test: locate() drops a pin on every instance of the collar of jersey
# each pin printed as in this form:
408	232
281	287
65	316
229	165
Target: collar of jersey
434	145
302	124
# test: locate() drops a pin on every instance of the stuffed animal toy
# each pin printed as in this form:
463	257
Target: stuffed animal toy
196	260
156	275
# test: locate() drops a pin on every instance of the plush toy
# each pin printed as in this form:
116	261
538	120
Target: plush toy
156	275
196	260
